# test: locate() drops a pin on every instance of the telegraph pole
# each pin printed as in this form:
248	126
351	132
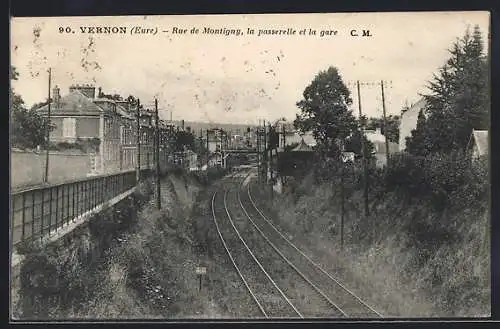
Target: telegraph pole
47	143
385	123
265	150
363	148
342	197
138	142
284	137
259	174
208	151
157	151
271	183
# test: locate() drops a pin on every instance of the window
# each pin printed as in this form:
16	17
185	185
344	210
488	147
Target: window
69	127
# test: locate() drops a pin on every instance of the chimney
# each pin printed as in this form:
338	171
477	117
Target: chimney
56	96
87	90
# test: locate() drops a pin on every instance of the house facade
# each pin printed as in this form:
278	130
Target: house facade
409	117
292	137
80	116
380	149
478	145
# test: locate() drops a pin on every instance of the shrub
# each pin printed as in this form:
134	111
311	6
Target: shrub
441	179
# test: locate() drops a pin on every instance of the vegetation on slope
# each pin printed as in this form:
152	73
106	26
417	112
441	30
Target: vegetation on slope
423	249
425	254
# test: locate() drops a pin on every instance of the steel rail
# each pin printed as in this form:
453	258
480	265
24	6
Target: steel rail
257	261
316	265
318	290
232	259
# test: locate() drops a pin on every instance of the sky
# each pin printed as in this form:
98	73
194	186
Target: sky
238	78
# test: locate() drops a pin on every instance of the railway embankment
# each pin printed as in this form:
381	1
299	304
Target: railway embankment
129	261
422	251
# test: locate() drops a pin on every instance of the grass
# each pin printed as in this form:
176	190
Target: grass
409	259
138	264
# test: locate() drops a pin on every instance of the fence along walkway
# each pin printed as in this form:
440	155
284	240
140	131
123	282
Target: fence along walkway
40	211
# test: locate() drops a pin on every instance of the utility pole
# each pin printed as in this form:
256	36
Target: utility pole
47	142
208	151
157	151
271	182
385	124
363	148
259	174
284	145
138	142
342	199
265	150
284	137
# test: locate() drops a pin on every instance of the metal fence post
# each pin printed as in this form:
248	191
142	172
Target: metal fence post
41	217
57	206
77	199
73	201
50	208
82	198
67	205
23	216
94	194
32	214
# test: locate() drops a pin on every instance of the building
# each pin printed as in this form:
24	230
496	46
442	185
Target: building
378	141
293	136
215	140
409	117
81	117
478	144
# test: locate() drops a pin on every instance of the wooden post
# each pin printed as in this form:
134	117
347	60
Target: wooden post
265	150
270	141
385	124
363	148
259	174
138	143
157	152
47	142
342	202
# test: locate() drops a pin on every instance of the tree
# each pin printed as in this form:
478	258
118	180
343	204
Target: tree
38	105
353	144
458	100
273	138
28	129
324	111
417	143
15	99
392	126
183	140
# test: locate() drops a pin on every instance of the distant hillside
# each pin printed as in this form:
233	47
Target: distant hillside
196	126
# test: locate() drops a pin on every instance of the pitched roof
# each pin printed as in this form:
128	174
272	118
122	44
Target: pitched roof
295	137
123	111
417	107
302	147
481	140
74	103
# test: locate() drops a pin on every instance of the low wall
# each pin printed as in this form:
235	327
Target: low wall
28	168
50	272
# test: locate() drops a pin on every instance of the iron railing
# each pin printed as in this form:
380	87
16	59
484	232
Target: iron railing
40	211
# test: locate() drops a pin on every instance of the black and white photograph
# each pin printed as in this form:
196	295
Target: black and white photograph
330	166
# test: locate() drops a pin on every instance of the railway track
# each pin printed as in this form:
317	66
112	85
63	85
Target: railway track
346	301
277	286
266	294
